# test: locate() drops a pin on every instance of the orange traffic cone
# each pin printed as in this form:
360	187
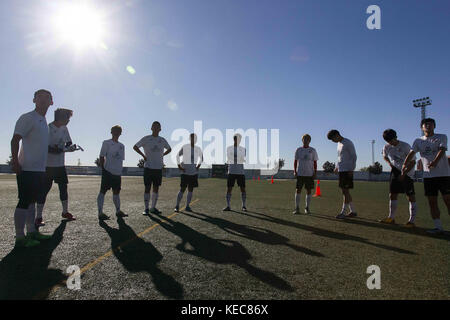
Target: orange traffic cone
272	180
318	193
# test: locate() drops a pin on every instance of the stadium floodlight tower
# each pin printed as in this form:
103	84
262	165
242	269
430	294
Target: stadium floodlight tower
373	152
422	103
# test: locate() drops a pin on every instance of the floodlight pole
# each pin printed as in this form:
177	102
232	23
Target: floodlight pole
373	153
422	104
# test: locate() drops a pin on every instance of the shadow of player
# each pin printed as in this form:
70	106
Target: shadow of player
137	255
253	233
24	273
218	251
323	232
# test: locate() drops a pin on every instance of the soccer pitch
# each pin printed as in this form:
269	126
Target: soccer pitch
265	253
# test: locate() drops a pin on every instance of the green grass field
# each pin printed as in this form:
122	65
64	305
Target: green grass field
265	253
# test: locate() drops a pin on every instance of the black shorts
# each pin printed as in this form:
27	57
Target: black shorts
152	176
57	174
110	181
31	187
400	186
434	185
308	182
233	177
190	181
346	180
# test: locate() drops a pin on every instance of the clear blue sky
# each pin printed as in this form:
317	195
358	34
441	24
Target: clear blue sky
299	66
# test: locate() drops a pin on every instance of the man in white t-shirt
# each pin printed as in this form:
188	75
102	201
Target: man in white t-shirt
29	166
394	153
153	155
436	171
345	166
192	159
305	169
112	155
235	160
58	144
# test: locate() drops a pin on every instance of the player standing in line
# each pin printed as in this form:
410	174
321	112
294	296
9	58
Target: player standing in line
192	159
305	169
154	146
345	166
112	155
235	160
436	170
58	144
29	166
394	153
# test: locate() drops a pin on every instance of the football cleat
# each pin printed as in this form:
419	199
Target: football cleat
188	209
155	211
387	221
341	216
146	212
68	216
410	224
226	209
296	211
121	214
38	236
307	210
351	214
25	242
103	216
177	209
244	209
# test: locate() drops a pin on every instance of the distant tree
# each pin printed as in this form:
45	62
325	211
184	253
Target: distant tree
329	167
141	163
376	168
8	162
97	162
364	169
280	164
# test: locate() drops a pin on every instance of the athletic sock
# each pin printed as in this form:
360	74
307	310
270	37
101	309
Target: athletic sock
20	216
65	206
100	200
116	200
344	208
438	224
146	200
154	199
352	208
39	209
244	198
188	198
228	199
179	197
392	208
412	211
308	200
297	200
31	214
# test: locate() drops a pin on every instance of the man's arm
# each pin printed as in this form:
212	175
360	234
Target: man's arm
315	169
440	154
136	148
407	160
388	161
15	141
295	167
102	162
167	151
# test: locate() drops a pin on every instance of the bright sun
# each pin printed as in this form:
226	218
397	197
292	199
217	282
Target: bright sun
79	25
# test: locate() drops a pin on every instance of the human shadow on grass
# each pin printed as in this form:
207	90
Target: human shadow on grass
253	233
137	255
322	232
219	251
375	224
24	273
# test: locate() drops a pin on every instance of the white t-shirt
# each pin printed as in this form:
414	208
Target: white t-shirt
346	156
305	161
57	137
153	150
33	129
236	159
397	155
192	156
114	152
429	148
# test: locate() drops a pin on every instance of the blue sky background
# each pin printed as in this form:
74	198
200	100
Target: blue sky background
299	66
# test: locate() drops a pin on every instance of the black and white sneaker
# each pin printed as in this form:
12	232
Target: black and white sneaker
177	209
307	210
244	209
188	209
226	209
146	212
